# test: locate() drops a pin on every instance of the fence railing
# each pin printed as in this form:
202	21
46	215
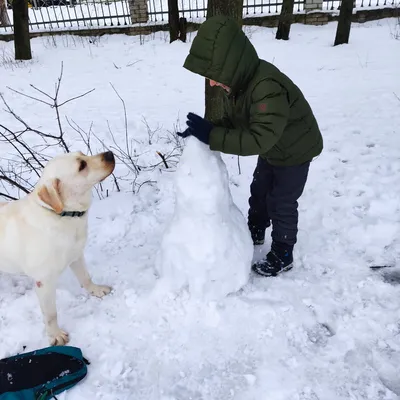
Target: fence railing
197	9
334	5
53	15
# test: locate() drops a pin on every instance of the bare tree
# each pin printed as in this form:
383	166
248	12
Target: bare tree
22	41
344	23
4	18
285	20
213	95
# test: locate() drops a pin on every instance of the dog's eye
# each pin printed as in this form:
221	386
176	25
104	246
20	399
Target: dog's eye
82	165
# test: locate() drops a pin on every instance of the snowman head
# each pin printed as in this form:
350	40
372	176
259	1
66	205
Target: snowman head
201	181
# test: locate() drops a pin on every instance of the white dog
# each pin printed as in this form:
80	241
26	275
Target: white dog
46	231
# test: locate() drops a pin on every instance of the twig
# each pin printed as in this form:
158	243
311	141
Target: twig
144	183
30	97
82	134
20	153
76	97
7	196
41	91
133	63
24	145
163	159
117	149
125	118
116	182
14	183
150	132
58	85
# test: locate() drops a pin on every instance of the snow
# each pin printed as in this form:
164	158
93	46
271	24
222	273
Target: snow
206	248
328	329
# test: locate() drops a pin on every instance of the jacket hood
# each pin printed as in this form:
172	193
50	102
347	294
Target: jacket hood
222	52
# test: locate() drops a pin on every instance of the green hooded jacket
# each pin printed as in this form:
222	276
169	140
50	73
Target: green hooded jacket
265	113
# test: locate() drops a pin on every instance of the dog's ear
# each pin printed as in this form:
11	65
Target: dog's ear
51	195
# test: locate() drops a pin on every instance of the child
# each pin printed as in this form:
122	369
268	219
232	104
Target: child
265	114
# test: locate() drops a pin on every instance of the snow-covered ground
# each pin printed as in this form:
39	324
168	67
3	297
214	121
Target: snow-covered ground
328	330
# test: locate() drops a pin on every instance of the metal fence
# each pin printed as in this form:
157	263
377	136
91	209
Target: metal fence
334	5
197	9
53	15
46	15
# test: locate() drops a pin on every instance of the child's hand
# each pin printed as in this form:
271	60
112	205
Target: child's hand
198	127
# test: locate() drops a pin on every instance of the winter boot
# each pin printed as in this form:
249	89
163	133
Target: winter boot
278	260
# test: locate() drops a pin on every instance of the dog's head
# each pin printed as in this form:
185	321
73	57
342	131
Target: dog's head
67	180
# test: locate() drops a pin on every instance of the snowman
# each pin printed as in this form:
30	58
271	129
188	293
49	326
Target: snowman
206	249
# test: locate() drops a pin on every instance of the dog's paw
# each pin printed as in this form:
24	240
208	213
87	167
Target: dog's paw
59	338
99	290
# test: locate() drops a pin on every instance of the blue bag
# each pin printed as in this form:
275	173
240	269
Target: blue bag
41	374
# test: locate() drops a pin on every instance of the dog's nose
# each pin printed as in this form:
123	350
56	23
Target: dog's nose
108	156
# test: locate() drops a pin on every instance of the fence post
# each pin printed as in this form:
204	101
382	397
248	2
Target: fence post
313	5
139	11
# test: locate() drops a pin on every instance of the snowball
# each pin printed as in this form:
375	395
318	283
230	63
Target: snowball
206	248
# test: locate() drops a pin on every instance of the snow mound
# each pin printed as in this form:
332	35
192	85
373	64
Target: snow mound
206	248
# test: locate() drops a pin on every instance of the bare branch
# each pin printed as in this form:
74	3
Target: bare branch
28	128
163	159
133	63
30	97
11	142
125	117
118	150
7	196
76	97
59	80
55	105
84	136
41	91
144	183
14	183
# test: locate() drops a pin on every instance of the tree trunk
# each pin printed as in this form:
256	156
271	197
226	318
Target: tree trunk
173	20
22	43
182	29
213	95
229	8
4	18
285	20
177	26
344	24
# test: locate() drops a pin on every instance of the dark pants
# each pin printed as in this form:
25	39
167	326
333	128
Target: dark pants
274	194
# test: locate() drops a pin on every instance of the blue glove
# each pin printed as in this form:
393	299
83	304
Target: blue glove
198	127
